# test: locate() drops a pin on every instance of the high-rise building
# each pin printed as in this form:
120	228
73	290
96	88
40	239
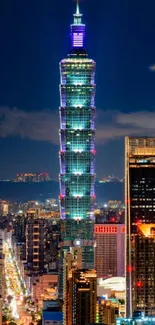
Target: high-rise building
35	244
19	225
140	224
52	244
72	260
109	250
81	296
77	147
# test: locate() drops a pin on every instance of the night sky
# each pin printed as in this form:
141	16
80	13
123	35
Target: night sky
34	37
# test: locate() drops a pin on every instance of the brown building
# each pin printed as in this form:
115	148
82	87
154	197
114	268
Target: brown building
72	260
81	297
109	250
35	244
43	287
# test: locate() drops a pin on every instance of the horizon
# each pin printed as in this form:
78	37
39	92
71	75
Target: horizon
29	85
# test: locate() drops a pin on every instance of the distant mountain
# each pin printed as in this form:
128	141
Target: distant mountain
21	192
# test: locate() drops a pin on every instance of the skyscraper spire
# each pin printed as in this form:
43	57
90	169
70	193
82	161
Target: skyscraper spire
77	7
77	29
77	15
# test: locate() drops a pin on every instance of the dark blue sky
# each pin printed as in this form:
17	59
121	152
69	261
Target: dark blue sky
34	37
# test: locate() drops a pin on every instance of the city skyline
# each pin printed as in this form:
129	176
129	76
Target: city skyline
78	259
30	76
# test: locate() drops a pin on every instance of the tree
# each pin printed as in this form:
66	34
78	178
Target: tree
121	301
12	323
4	319
39	322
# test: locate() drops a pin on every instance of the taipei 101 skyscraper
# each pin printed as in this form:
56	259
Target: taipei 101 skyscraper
77	147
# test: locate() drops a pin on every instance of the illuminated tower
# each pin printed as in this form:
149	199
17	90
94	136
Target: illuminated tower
77	147
140	225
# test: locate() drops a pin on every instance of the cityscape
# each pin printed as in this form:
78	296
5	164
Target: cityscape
78	248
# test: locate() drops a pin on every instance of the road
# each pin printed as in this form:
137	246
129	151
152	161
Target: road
15	286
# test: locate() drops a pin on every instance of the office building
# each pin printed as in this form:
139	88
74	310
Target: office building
109	250
35	244
140	224
77	147
81	297
72	261
52	244
19	225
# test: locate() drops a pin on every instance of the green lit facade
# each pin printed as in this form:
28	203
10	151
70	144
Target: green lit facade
77	147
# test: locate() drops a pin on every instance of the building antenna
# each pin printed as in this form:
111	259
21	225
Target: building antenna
77	7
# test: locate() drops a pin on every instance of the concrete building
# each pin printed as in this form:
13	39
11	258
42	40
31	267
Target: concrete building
35	244
109	250
44	288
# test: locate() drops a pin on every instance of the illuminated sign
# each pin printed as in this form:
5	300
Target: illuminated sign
78	39
108	229
105	229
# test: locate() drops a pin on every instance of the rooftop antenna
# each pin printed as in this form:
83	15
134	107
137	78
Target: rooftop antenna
77	7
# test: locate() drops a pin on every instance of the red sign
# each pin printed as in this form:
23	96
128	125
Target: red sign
105	229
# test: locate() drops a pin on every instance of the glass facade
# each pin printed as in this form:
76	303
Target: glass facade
77	147
81	296
140	225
